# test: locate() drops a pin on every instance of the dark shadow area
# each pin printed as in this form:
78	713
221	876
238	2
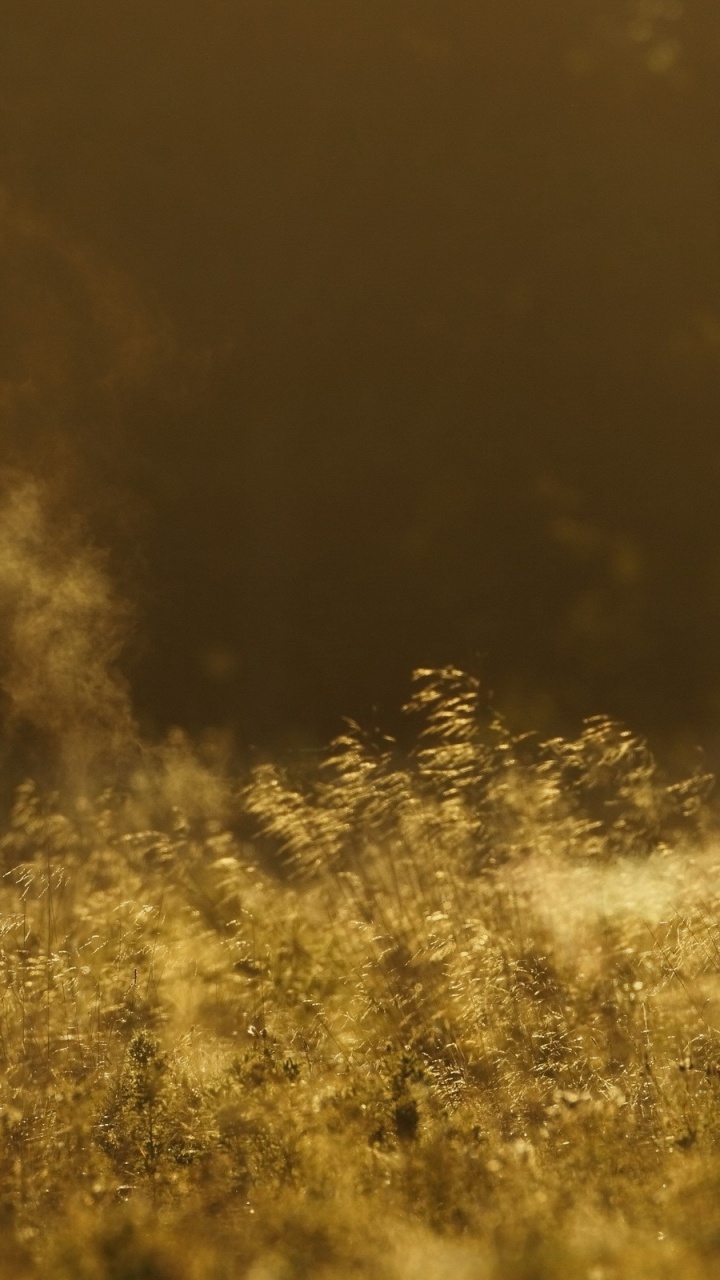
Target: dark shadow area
376	336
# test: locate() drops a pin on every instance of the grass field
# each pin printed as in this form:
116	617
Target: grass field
447	1014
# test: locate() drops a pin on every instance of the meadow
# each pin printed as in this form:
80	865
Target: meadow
446	1012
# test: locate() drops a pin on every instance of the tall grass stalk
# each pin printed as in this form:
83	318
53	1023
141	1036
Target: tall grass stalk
453	1011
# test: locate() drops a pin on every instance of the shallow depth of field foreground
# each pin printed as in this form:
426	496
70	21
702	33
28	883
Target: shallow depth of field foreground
452	1013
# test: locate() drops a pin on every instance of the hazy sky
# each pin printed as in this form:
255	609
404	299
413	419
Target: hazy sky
373	335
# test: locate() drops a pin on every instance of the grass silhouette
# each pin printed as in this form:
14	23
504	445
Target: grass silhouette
446	1012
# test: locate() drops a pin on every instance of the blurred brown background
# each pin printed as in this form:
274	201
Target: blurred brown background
377	334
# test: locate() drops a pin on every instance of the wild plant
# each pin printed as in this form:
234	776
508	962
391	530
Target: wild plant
445	1010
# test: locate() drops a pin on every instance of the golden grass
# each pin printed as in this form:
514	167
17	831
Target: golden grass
448	1015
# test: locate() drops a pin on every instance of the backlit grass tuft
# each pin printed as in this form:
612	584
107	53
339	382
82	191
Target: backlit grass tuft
447	1013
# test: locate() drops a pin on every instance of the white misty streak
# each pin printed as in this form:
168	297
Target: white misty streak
62	633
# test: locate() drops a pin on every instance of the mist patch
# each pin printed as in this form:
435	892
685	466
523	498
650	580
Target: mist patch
62	630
